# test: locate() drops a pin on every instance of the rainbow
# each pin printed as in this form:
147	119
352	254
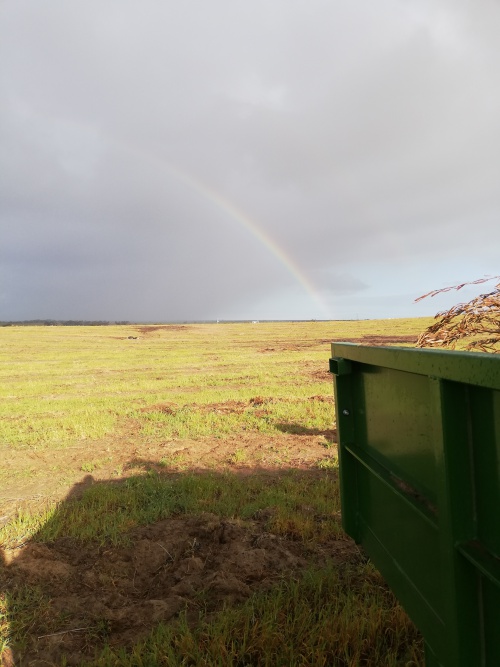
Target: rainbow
234	213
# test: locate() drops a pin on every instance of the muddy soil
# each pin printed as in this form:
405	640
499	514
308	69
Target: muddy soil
193	564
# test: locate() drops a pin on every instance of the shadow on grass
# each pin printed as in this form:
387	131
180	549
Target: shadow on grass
116	558
135	569
296	429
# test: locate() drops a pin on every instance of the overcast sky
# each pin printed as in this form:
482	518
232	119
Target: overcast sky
263	159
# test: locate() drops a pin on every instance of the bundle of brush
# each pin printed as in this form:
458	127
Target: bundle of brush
476	322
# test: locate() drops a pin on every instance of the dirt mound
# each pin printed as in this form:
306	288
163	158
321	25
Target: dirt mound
321	375
115	595
223	408
168	408
232	406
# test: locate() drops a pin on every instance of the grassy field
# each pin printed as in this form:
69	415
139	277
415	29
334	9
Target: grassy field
169	496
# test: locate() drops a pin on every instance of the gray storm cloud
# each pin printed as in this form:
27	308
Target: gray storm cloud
361	139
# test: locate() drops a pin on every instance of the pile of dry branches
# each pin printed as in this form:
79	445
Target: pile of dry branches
477	321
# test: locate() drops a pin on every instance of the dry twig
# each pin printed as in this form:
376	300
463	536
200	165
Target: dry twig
477	321
63	632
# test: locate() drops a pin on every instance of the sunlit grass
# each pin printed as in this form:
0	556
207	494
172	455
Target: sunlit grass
61	385
265	416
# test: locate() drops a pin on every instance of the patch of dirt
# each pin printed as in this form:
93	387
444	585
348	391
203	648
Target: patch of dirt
159	327
231	406
225	407
165	408
322	399
296	346
321	374
116	595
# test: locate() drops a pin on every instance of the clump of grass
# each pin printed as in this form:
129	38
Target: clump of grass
171	461
328	463
19	611
238	456
25	524
90	466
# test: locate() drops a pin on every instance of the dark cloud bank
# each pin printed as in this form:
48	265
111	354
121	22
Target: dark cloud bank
153	153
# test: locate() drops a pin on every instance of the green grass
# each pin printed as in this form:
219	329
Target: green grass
204	419
107	511
18	613
61	385
314	621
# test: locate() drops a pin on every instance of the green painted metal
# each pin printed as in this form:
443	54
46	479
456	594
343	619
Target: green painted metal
419	455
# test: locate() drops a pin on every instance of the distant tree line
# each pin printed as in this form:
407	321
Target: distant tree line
102	323
60	323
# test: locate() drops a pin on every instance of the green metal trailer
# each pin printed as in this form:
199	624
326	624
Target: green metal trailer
419	457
